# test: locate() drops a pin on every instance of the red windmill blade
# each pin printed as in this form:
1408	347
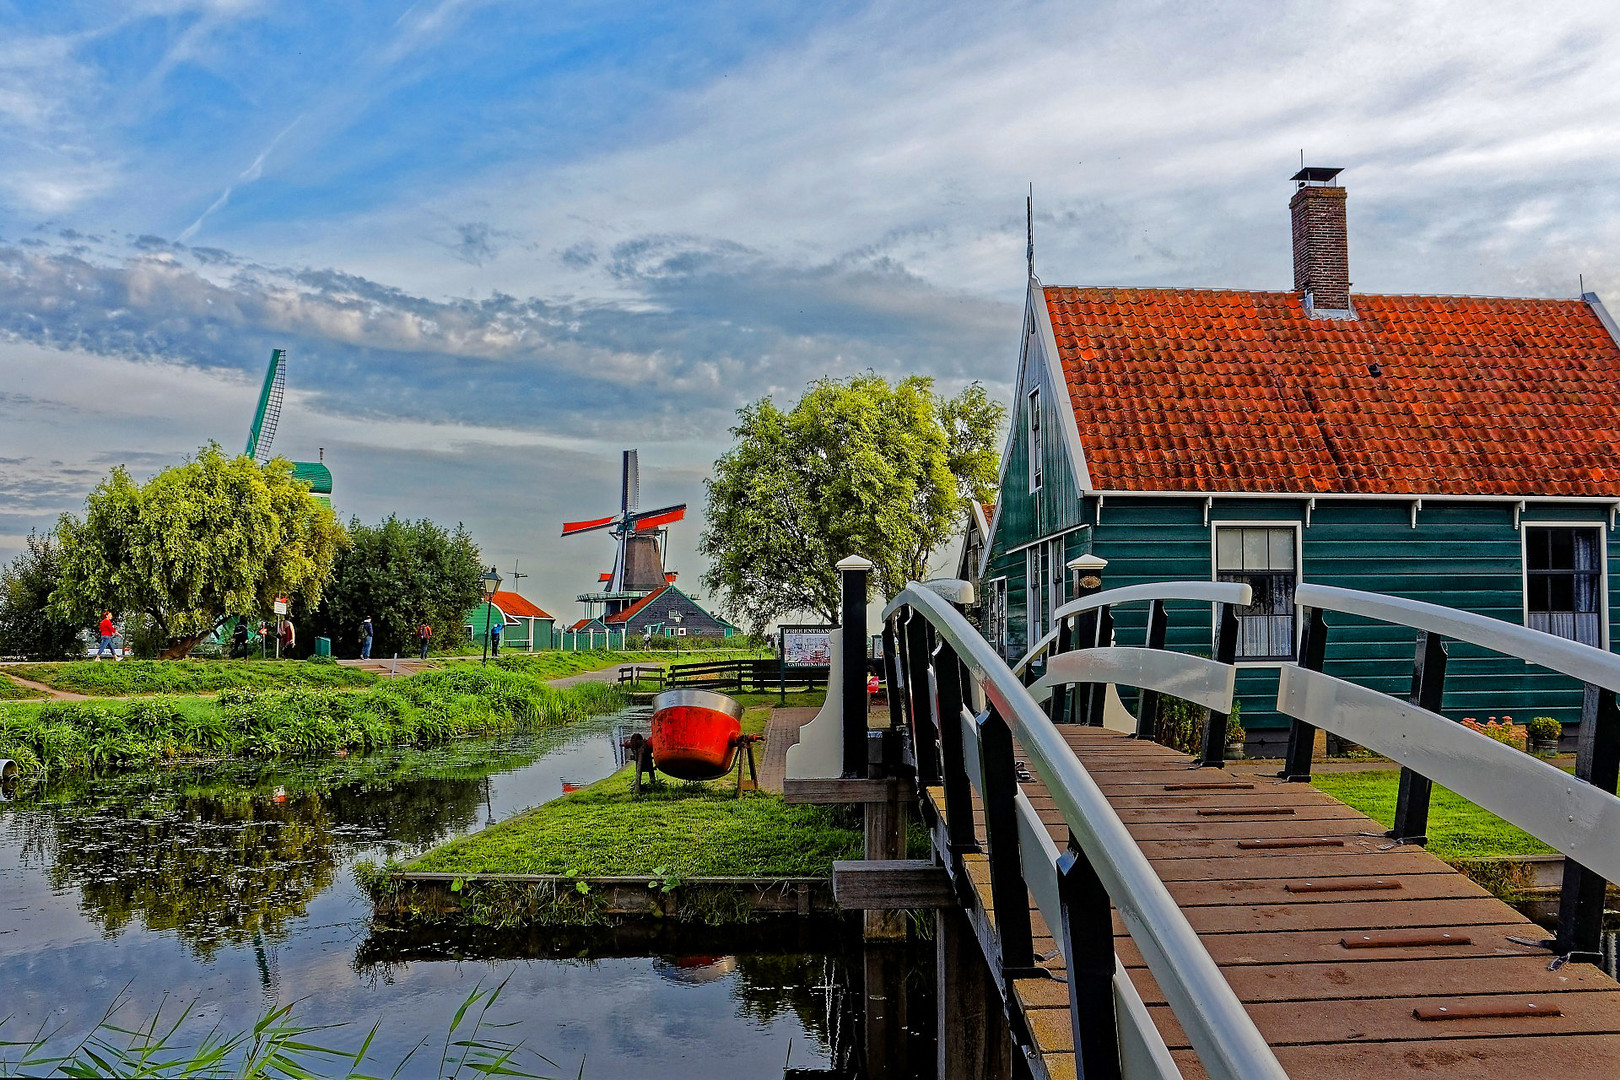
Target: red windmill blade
638	562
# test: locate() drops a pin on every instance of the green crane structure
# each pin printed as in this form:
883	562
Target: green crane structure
262	432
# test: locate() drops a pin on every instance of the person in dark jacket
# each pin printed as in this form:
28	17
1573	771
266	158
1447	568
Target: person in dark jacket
424	634
239	640
366	634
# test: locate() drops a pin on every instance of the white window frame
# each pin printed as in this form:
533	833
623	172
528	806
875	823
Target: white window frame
1055	585
1525	525
1033	591
1034	437
1299	575
995	616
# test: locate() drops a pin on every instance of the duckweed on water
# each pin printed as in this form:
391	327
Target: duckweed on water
436	706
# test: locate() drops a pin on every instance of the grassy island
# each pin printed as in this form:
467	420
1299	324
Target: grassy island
128	678
1458	830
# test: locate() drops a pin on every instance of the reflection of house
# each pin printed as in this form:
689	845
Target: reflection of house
523	625
668	612
1456	450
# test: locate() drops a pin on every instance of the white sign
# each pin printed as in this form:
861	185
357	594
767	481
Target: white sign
281	605
806	648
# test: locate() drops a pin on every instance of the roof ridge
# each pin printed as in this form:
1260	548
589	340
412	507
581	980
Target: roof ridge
1227	291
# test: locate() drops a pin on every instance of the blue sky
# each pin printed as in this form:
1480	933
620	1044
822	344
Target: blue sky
502	241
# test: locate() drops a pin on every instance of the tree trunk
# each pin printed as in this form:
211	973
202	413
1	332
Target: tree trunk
179	649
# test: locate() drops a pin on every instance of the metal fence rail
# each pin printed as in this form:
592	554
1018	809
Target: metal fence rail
940	663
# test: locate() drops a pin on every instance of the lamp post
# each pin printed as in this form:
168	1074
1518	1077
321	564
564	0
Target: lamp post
675	617
492	585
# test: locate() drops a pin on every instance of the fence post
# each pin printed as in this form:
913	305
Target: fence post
1147	702
1008	892
1088	627
853	636
1597	761
1060	706
1226	636
1428	692
953	759
891	672
1088	950
1301	734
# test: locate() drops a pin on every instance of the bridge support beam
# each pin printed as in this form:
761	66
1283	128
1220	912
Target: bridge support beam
1088	947
1226	635
974	1043
1597	761
1301	735
1428	692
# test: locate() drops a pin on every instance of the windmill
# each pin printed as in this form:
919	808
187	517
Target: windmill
638	564
262	431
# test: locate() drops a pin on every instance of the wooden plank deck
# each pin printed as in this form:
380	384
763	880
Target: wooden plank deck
1277	920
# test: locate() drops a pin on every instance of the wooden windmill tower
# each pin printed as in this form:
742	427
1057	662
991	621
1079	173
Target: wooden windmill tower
263	429
638	560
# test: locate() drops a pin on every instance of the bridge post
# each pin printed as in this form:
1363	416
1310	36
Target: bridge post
920	689
891	672
1226	635
1093	696
1597	761
948	675
1091	628
1147	702
1302	734
1008	892
1428	692
973	1040
853	570
1060	706
1088	950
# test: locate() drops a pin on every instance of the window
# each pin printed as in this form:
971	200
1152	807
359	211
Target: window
1054	579
1034	605
1563	582
1262	557
1034	426
995	615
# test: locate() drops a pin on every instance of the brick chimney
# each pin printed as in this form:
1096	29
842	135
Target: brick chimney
1321	247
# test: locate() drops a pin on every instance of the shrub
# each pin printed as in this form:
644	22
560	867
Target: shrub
1505	732
1544	727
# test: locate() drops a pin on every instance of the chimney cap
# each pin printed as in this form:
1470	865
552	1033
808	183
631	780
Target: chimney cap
1315	174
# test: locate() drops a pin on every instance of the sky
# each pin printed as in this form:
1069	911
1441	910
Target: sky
503	241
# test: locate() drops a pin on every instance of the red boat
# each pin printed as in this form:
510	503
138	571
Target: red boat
695	734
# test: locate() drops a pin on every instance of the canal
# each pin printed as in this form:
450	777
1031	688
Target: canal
228	889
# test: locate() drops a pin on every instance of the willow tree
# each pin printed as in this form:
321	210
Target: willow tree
857	466
198	542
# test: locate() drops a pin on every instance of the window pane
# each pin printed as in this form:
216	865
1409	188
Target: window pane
1586	551
1282	549
1229	549
1560	549
1255	553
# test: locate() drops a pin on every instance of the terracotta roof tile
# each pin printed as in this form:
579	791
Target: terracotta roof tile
513	604
624	614
1224	390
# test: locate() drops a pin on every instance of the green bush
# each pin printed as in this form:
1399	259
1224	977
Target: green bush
1544	727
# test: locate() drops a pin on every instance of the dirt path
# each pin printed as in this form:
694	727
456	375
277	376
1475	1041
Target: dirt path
50	692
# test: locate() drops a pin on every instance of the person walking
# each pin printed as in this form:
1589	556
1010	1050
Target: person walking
287	637
366	633
239	640
108	633
424	634
495	638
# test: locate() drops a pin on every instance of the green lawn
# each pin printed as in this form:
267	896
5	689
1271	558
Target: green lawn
677	830
1457	828
554	664
135	677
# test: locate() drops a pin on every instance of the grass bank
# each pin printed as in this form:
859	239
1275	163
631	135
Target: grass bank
10	691
557	664
128	678
433	707
1458	830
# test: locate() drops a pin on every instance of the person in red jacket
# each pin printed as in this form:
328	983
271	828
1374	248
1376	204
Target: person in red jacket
108	633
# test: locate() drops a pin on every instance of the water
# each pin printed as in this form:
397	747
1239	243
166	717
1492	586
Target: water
230	887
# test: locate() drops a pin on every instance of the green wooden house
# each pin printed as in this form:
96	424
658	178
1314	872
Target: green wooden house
1456	450
524	626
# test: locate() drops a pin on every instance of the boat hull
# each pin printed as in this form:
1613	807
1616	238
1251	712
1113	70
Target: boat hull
695	734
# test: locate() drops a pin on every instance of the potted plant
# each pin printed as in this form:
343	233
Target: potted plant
1236	737
1544	735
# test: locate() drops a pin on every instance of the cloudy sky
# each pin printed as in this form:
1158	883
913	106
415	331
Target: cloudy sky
502	241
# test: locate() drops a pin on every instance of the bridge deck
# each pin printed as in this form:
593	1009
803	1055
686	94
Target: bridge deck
1278	920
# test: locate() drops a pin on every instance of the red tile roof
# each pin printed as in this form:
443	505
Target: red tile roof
624	614
1217	390
515	605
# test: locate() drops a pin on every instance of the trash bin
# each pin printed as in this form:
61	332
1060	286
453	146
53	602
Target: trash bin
323	646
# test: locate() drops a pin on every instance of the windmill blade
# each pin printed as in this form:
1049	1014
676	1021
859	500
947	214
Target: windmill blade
630	483
262	432
657	519
571	528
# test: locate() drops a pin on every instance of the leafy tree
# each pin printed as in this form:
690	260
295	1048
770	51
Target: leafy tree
27	625
401	573
199	541
858	466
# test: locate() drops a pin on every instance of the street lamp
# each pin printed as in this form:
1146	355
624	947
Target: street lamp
675	617
492	585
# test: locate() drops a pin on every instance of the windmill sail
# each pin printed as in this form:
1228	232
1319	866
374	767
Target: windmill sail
638	558
263	430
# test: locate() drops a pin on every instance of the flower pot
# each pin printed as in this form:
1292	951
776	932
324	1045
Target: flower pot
1544	747
1234	750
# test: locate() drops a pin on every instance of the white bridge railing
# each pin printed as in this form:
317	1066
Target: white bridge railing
963	707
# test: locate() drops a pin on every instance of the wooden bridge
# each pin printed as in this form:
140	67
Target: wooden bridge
1139	913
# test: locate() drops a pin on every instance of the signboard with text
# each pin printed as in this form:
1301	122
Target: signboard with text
806	646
